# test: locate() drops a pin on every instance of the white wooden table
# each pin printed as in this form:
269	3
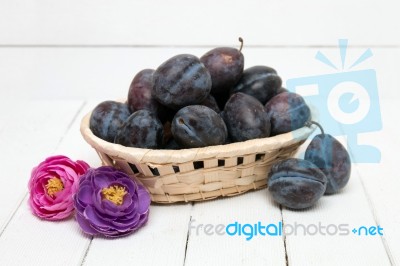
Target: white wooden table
59	60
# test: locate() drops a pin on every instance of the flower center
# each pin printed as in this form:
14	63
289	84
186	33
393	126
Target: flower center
54	185
115	194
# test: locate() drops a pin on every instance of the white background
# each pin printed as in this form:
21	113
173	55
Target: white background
60	59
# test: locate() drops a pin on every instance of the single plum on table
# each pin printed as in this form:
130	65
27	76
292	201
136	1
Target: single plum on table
296	183
332	158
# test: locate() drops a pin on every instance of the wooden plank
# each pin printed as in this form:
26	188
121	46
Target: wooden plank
33	134
74	145
160	242
30	241
215	249
351	208
33	131
62	239
207	22
380	181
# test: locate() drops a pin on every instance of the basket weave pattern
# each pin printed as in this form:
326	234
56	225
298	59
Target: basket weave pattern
201	173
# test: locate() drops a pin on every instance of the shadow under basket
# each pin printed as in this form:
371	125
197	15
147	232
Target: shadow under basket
199	174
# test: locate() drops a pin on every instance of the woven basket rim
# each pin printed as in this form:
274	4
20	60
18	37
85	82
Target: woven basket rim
155	157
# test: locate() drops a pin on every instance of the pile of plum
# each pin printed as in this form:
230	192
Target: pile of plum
191	102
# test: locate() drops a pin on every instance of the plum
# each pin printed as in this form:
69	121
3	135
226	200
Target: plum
180	81
142	130
225	65
332	158
287	111
296	183
210	102
245	118
261	82
198	126
106	119
139	94
282	89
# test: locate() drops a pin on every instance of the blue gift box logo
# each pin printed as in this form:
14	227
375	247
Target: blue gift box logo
347	102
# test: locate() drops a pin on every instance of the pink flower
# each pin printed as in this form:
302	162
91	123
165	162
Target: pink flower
52	185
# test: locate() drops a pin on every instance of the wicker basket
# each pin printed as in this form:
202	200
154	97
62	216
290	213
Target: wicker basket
200	173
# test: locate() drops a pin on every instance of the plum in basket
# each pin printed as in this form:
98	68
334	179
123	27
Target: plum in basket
106	119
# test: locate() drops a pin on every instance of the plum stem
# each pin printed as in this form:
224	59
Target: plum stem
241	43
309	123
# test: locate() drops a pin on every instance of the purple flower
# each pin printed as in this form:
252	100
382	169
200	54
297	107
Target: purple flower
110	203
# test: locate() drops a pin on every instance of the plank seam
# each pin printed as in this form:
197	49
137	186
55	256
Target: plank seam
87	251
70	124
187	236
13	214
284	237
57	145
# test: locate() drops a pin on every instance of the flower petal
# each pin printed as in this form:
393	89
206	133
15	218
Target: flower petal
85	194
95	218
85	225
144	199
